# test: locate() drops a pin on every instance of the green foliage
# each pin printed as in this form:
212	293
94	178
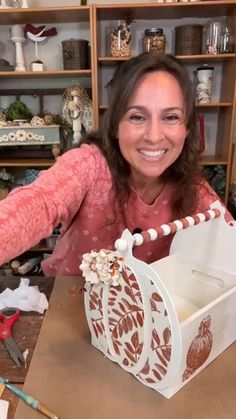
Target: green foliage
18	110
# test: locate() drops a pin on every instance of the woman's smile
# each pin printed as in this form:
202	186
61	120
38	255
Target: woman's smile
152	155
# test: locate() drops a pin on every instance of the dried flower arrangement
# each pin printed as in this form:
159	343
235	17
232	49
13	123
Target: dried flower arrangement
103	266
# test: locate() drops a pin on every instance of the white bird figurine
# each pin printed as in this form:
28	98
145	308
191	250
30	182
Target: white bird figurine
38	35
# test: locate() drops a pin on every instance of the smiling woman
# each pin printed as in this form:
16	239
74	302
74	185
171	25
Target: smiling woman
152	132
142	170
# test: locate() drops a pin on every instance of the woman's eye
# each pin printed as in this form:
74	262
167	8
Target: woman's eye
172	119
137	118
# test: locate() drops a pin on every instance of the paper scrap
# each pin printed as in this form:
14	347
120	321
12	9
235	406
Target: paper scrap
3	409
25	297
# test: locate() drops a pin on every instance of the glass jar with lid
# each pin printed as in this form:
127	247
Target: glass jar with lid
120	40
154	41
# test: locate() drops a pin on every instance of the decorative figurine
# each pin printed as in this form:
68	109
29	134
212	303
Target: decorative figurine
77	110
36	35
18	37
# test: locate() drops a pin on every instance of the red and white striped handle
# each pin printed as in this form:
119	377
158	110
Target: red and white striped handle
170	228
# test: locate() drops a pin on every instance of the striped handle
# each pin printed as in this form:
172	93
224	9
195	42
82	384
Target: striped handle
170	228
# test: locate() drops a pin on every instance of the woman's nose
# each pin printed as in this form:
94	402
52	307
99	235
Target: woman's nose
154	131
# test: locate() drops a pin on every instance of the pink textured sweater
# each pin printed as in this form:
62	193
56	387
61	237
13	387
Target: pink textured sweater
77	192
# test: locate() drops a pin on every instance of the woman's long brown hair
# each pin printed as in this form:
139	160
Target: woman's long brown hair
184	172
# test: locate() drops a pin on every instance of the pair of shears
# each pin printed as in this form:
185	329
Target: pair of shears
8	317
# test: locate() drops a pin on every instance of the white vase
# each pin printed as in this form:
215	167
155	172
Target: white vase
24	4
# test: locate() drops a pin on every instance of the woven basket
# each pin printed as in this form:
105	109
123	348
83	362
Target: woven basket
188	39
75	54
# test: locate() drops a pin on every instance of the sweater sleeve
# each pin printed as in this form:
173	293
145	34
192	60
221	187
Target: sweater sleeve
31	213
206	196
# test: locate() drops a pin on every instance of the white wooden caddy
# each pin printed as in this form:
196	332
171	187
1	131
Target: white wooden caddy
167	321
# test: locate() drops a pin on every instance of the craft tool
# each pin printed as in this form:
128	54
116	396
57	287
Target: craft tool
8	317
29	400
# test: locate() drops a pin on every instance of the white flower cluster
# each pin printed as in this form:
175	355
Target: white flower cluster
21	135
103	266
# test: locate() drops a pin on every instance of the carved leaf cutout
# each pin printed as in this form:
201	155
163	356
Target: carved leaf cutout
127	304
150	380
99	327
153	305
166	335
161	368
129	293
120	330
135	286
162	359
125	326
129	323
91	305
114	333
95	330
166	352
130	356
157	375
122	307
135	340
116	348
156	297
146	369
134	321
139	319
129	347
117	312
156	337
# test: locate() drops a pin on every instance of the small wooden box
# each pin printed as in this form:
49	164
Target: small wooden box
25	134
165	322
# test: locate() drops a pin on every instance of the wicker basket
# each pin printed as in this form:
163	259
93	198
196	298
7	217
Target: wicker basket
75	54
188	39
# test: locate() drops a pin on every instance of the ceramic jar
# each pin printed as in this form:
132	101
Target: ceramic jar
204	84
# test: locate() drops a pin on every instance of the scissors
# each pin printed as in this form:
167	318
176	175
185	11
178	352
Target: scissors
8	317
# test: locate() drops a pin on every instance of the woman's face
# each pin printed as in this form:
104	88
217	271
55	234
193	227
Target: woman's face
152	132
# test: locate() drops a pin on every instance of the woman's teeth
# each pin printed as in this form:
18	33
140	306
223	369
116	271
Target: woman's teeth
151	153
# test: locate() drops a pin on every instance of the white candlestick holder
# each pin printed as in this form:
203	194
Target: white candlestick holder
20	64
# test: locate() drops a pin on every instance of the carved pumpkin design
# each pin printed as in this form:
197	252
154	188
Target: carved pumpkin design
199	349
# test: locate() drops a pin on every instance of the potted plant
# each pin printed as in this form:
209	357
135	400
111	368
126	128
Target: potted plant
6	183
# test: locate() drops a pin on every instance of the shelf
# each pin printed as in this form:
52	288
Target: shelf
214	105
42	74
27	163
103	108
206	57
188	58
199	9
44	14
213	160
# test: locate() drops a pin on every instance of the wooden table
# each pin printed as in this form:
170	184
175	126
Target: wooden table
75	380
25	334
